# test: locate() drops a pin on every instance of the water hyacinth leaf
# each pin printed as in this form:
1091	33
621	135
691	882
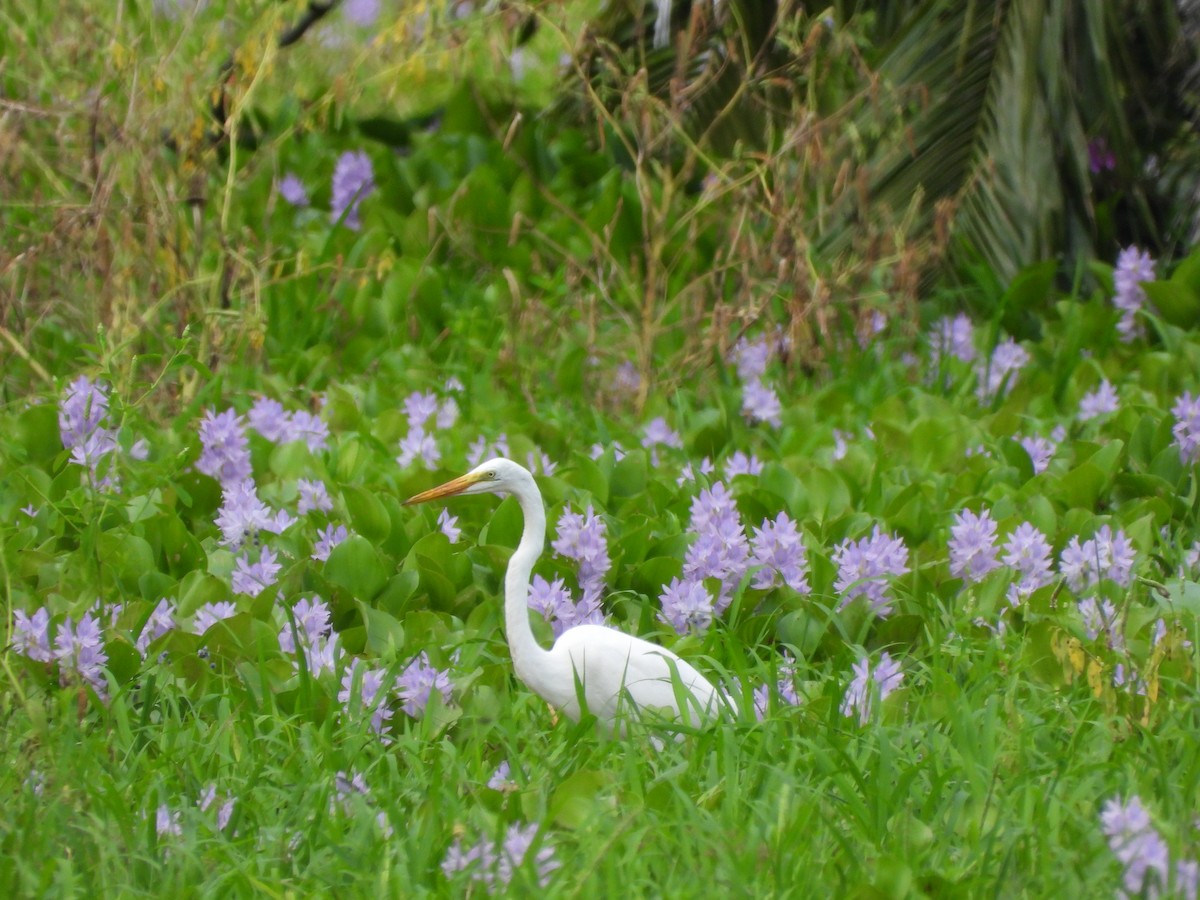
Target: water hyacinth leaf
399	590
650	576
574	801
587	476
198	588
124	661
153	584
384	633
1027	292
803	630
355	566
504	528
1176	302
125	557
1081	487
778	481
176	546
37	434
350	460
368	516
628	477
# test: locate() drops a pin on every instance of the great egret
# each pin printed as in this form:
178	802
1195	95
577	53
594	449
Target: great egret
615	670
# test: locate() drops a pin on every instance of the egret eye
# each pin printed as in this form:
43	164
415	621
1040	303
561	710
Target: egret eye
493	475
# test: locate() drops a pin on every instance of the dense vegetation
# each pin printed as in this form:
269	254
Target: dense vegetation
936	537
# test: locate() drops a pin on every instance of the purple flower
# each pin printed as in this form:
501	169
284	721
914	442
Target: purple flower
720	551
1100	156
417	683
501	779
291	189
540	462
371	695
885	678
1187	427
353	179
751	358
1101	618
686	606
687	474
952	336
80	416
1099	402
1027	551
140	450
254	578
30	510
167	822
582	538
309	428
1107	555
419	408
658	433
864	567
226	449
241	514
161	620
760	404
313	496
779	549
627	380
1143	853
997	373
479	447
210	614
81	648
31	635
741	464
494	866
786	684
268	418
418	444
1133	267
449	525
224	814
328	538
362	13
447	414
973	546
1040	451
712	505
453	385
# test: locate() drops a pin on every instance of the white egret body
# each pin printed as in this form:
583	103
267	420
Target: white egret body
615	670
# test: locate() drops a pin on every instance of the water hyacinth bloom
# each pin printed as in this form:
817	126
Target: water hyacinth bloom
167	822
161	620
501	779
1143	853
80	422
362	13
1028	552
448	525
242	513
583	538
1133	267
1101	401
778	548
447	414
494	866
224	813
254	578
884	679
1107	555
751	358
80	648
952	336
1187	427
353	179
1100	156
313	624
686	606
291	189
997	372
627	380
308	427
658	433
864	567
268	417
1100	617
417	683
313	496
540	462
418	444
742	464
226	449
210	614
371	695
973	546
761	404
1040	451
687	473
328	538
31	635
419	408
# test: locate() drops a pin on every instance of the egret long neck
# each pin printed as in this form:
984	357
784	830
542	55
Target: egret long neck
526	652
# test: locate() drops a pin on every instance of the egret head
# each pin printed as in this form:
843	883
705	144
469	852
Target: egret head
496	476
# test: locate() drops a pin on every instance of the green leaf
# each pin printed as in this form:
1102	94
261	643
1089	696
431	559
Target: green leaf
574	801
125	557
1175	301
385	634
368	516
355	566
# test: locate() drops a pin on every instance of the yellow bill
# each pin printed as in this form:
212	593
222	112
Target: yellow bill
449	489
